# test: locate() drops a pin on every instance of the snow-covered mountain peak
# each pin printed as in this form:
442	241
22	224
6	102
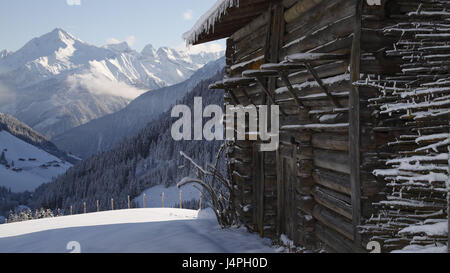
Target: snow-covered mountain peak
119	47
165	52
4	53
149	51
63	35
54	52
79	81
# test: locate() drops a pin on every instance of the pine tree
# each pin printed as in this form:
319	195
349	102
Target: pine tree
3	160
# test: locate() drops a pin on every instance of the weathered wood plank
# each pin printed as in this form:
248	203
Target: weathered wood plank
354	129
336	181
332	160
335	201
333	239
334	221
329	141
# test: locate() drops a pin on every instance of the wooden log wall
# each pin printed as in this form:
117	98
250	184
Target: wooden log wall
246	50
328	27
320	153
303	190
321	185
408	96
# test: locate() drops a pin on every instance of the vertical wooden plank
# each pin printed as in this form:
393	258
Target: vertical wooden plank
448	196
279	188
261	197
256	182
261	184
229	53
354	129
291	198
273	42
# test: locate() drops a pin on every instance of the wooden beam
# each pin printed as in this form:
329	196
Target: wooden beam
284	76
337	202
333	239
354	128
322	85
232	96
266	90
333	220
299	9
331	141
333	180
332	160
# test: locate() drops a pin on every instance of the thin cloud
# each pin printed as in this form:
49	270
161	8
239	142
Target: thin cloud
188	15
100	85
7	97
73	2
131	40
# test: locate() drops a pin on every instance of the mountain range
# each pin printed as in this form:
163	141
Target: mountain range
57	82
103	133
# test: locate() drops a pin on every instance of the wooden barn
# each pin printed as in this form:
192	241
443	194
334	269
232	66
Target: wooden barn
363	88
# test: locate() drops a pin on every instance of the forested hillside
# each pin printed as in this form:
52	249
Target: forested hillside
150	158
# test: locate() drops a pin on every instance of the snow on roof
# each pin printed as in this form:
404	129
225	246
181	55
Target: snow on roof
206	23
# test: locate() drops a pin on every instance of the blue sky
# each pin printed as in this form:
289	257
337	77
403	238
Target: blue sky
140	22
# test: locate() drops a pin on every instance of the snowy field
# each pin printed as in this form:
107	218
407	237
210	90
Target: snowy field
41	169
131	231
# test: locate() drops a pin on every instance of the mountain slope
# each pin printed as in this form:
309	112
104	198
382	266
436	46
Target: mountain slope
23	132
56	82
4	53
27	159
150	158
103	133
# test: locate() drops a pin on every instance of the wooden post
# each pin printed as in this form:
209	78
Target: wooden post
98	206
70	210
128	202
145	201
448	197
163	199
200	205
354	128
84	207
112	204
181	199
268	50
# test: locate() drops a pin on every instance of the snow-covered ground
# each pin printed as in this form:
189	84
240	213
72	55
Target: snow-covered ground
153	196
29	173
137	230
423	249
